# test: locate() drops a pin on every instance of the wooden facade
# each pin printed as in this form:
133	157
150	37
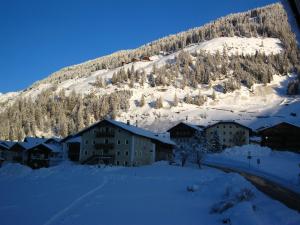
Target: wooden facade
183	132
283	136
38	156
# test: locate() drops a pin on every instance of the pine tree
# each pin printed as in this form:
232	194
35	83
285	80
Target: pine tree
142	101
159	103
175	101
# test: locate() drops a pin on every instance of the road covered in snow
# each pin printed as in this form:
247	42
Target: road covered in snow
157	194
281	167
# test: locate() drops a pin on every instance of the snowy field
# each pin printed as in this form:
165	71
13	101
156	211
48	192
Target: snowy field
82	195
277	165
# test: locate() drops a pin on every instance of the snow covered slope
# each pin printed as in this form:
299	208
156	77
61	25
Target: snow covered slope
261	106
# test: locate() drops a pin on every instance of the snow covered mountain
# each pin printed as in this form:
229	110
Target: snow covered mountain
237	67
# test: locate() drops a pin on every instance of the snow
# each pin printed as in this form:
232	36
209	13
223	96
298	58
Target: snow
157	194
133	129
239	45
260	106
279	166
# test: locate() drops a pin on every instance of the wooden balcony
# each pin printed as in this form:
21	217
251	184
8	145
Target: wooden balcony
104	146
105	134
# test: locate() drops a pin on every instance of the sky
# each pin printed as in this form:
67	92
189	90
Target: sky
39	37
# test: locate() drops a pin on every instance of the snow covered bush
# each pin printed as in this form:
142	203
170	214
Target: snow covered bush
192	188
232	199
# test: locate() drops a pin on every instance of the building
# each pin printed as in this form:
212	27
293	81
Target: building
184	132
282	136
32	149
4	149
227	133
45	154
112	142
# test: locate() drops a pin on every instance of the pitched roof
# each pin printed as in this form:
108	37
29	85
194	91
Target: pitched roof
34	140
51	147
227	122
7	144
261	129
132	129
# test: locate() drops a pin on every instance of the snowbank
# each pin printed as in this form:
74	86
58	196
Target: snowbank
74	194
279	166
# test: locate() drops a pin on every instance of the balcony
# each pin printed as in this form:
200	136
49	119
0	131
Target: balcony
105	134
104	146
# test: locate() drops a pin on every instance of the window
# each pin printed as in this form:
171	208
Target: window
125	163
106	129
118	163
135	153
86	142
85	152
106	141
126	153
140	153
230	126
119	130
224	126
217	126
126	142
230	132
94	142
224	140
224	132
118	153
119	142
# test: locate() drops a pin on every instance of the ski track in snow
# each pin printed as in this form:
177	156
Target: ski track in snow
75	202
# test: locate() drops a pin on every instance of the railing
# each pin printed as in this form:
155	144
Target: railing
105	134
104	146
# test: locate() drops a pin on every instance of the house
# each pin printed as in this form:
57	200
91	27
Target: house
45	154
135	60
227	133
5	150
281	136
184	132
18	151
146	58
112	142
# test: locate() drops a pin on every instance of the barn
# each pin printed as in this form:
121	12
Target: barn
281	136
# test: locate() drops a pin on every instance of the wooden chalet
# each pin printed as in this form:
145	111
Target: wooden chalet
282	136
184	132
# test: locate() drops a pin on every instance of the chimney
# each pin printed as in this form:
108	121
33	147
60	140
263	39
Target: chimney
136	123
128	122
186	118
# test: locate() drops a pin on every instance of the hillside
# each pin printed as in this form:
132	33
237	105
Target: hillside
238	67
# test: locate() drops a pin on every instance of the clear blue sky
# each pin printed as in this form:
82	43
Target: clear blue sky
39	37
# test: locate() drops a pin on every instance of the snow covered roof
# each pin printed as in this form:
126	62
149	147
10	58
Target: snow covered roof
132	129
73	139
24	145
51	147
141	132
227	122
193	126
7	144
34	140
276	124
